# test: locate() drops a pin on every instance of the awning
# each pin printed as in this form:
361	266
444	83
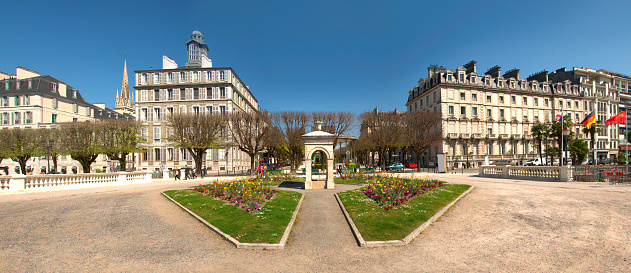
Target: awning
625	147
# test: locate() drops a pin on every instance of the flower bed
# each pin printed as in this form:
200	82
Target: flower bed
391	192
248	195
274	178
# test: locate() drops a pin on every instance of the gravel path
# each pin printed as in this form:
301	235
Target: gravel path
502	225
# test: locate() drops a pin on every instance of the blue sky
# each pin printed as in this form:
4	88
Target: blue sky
335	55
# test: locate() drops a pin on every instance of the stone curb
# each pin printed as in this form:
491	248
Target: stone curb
404	241
234	241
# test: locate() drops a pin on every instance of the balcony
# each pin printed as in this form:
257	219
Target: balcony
504	136
464	135
452	135
491	136
477	135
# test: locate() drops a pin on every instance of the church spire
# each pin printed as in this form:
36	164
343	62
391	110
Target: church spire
124	102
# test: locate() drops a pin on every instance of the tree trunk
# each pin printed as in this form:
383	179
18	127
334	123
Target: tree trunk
252	160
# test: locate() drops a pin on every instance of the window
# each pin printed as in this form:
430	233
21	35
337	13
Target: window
53	87
157	78
196	109
195	76
451	110
462	96
75	119
501	112
143	78
145	114
463	110
5	118
144	155
209	109
487	81
488	112
170	77
513	99
182	77
156	95
222	75
17	84
182	94
525	101
87	111
17	117
472	79
488	98
576	104
170	94
30	84
75	108
461	77
16	101
222	110
545	102
169	111
448	77
195	93
222	92
536	101
569	104
474	97
54	118
5	101
157	114
157	153
156	134
55	103
501	99
474	111
502	148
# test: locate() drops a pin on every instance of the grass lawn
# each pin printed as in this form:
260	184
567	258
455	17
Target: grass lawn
376	224
264	226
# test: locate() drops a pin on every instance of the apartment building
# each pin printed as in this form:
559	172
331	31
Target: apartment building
31	100
195	88
492	114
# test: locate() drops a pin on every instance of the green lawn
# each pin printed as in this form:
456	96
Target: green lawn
264	226
376	224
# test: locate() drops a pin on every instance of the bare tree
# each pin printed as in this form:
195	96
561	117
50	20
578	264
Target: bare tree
274	142
421	130
382	131
336	123
197	133
248	132
81	141
292	125
119	138
20	145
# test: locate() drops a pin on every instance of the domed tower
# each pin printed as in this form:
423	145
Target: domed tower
196	48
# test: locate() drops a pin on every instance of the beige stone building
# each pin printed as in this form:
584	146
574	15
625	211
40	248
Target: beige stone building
492	114
195	88
30	100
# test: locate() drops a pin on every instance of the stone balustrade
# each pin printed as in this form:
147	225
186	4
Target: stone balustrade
547	173
26	183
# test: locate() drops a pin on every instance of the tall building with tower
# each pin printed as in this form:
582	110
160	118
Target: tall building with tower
197	87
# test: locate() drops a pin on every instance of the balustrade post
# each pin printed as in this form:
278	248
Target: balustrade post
481	171
504	171
148	177
17	183
564	173
165	173
122	177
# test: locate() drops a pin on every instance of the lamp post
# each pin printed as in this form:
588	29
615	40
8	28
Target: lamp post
48	145
566	132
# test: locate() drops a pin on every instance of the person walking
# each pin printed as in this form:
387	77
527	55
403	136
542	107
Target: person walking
177	174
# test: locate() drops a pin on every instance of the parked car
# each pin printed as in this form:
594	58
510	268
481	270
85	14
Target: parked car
536	162
410	165
395	167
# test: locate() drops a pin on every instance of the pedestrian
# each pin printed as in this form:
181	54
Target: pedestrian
453	168
177	174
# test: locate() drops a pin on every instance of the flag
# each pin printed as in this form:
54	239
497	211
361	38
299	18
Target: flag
559	116
589	120
617	119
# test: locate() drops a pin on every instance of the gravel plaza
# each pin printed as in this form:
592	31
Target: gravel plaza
501	225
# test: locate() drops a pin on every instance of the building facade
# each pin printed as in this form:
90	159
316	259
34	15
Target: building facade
30	100
492	114
195	88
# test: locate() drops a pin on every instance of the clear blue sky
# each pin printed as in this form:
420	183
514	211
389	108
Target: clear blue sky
337	55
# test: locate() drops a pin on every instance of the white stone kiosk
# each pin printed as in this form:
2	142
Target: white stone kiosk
319	141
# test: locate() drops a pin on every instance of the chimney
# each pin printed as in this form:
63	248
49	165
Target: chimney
471	67
513	73
494	71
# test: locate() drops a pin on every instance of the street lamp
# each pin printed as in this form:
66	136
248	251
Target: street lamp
48	145
566	133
